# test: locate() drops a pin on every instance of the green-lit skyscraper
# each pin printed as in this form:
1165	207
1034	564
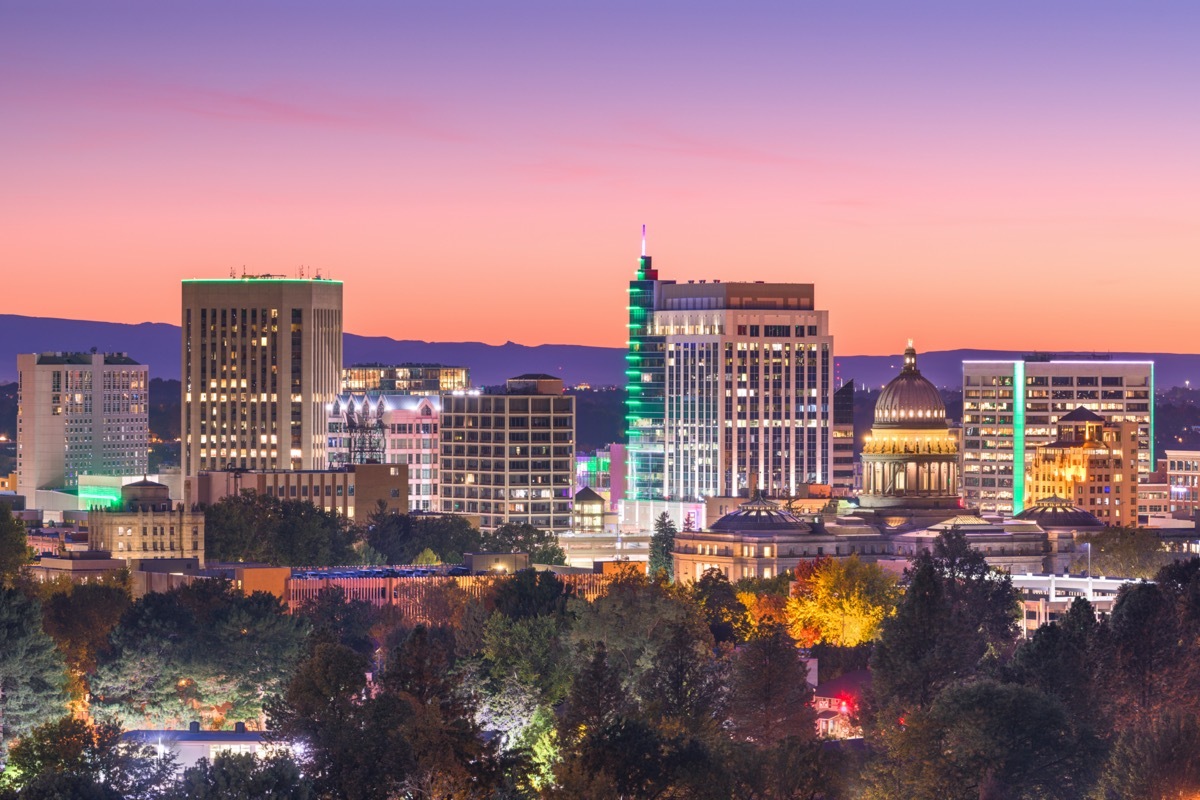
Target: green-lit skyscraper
645	382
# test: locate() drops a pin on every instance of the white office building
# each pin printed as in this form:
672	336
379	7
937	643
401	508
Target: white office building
1012	407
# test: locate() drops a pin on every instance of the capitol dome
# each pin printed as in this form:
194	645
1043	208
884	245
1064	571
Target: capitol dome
759	514
909	400
1056	513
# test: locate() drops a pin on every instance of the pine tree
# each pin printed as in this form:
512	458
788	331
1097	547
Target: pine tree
14	550
662	544
32	676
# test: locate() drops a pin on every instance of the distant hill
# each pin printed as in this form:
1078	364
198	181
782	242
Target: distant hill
157	344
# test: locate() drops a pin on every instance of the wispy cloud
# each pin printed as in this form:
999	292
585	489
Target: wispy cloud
284	105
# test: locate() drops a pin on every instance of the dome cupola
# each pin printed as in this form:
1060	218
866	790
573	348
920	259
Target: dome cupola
910	400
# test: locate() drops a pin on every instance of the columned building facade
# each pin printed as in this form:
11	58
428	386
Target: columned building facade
910	459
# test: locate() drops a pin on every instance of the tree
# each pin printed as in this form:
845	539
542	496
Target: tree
528	650
80	618
685	683
521	537
662	545
335	619
255	527
401	537
956	610
983	739
718	600
631	619
243	776
1121	552
14	549
596	698
531	593
203	650
769	695
844	602
427	558
1157	760
32	677
71	746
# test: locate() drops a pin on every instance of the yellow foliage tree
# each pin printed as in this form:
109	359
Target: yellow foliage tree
844	602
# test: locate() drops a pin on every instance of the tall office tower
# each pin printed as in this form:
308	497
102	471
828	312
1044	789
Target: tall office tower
508	455
749	389
79	414
417	379
261	362
644	387
1011	407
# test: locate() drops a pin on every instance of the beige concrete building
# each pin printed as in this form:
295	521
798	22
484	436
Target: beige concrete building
354	491
509	455
261	362
79	414
147	526
1093	463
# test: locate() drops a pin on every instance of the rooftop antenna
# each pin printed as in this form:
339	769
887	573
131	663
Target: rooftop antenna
233	272
318	273
643	240
243	270
301	270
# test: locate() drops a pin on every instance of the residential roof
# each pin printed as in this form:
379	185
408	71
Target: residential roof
1081	414
586	495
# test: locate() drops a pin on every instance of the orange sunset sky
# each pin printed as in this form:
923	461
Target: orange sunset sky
1008	175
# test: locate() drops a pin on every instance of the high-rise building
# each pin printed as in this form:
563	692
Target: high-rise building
374	428
79	414
645	376
508	454
1092	463
748	389
261	362
1011	407
417	379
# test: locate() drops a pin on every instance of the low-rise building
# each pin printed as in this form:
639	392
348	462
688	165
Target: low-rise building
388	428
1183	482
354	491
147	525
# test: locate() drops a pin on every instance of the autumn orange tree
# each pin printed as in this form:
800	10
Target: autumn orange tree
842	603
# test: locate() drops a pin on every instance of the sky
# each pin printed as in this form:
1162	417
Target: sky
1016	174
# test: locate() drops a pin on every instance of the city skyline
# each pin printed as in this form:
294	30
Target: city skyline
963	161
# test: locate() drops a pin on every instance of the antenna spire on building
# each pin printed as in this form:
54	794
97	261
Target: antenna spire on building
643	240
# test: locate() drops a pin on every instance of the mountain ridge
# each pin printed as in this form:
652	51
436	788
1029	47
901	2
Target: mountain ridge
157	344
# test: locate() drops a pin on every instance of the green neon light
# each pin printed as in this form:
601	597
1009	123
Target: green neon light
1152	404
1018	437
102	496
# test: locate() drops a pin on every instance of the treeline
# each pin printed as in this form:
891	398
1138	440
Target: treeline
653	690
283	532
